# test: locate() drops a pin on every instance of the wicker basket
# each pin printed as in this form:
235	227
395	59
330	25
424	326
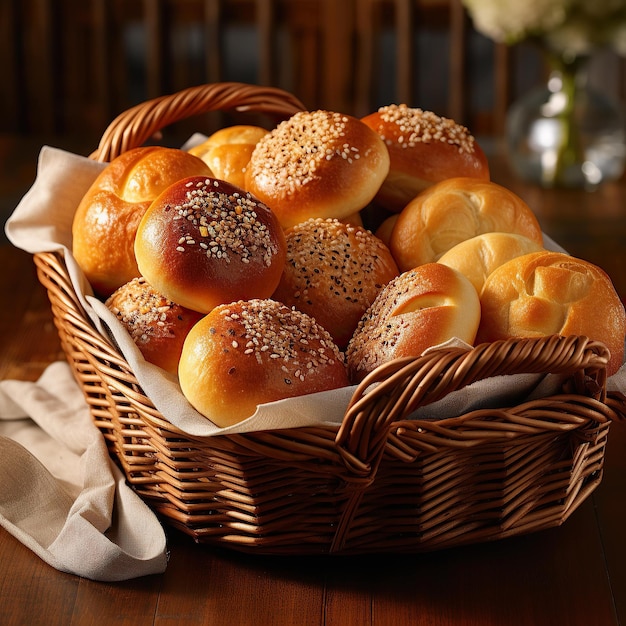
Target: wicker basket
378	481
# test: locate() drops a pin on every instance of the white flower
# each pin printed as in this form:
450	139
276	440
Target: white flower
513	20
568	26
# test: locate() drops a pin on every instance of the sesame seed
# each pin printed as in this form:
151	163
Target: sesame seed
142	311
227	222
294	151
418	126
267	329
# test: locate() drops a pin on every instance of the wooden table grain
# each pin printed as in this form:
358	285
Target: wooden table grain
571	575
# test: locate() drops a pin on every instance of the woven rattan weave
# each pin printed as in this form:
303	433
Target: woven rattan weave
377	482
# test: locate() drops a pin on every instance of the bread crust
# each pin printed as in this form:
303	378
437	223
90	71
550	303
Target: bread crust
247	353
317	164
333	272
157	325
546	293
204	242
424	148
106	220
419	309
453	211
228	150
479	256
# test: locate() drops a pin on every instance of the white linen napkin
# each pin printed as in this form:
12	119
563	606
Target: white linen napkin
62	496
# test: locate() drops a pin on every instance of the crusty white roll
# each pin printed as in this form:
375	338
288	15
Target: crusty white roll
333	272
106	220
477	257
317	164
157	325
205	242
228	150
424	148
452	211
552	293
247	353
419	309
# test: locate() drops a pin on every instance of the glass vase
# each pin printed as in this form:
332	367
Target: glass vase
565	133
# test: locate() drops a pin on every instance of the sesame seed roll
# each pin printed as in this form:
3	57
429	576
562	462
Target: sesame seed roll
317	164
251	352
157	325
333	272
205	242
424	148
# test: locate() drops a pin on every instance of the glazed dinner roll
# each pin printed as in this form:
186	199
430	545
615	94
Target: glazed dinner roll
333	272
317	164
247	353
419	309
106	220
552	293
424	148
452	211
477	257
205	242
228	150
157	325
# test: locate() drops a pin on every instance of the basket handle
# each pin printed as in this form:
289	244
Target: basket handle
405	384
134	126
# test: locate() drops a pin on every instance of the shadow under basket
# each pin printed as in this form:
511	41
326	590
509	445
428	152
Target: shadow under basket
376	482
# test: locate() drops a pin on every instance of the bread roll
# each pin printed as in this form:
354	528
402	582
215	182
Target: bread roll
251	352
552	293
419	309
317	164
157	325
228	150
106	220
477	257
384	230
205	242
333	272
452	211
423	149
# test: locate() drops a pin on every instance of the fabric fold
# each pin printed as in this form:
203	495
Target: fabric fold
63	497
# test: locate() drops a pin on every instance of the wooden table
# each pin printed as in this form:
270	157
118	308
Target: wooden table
571	575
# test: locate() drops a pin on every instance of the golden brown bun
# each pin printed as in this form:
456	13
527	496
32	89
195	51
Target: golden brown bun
106	220
452	211
477	257
228	150
157	325
205	242
333	272
552	293
421	308
317	164
423	149
247	353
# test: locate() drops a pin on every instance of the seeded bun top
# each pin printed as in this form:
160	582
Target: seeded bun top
251	352
157	325
333	272
424	148
317	164
205	242
106	220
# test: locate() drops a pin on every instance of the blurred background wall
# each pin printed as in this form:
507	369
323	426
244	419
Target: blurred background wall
70	66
